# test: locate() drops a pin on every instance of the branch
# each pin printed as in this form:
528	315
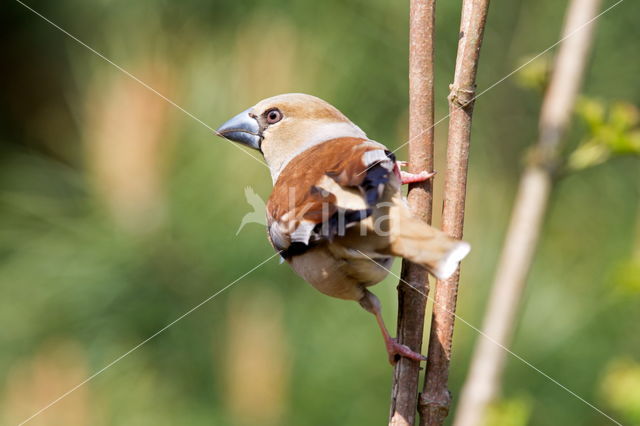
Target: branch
411	309
435	399
487	366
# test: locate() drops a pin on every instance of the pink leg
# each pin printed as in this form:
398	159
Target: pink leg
406	177
394	349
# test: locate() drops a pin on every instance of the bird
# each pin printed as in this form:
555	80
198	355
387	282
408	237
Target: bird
336	213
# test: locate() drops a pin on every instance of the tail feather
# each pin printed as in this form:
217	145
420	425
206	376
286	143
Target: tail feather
427	246
449	263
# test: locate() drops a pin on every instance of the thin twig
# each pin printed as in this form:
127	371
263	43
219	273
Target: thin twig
411	309
435	399
487	366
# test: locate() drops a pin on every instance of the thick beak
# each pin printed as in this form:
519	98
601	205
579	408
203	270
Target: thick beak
243	129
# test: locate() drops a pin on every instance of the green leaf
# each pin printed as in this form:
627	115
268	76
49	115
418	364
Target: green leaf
592	112
623	116
612	131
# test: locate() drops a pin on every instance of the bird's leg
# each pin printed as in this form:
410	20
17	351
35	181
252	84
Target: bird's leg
371	303
406	177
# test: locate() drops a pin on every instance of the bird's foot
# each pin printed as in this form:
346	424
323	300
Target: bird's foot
406	177
396	350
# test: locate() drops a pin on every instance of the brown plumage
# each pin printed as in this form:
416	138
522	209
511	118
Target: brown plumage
336	213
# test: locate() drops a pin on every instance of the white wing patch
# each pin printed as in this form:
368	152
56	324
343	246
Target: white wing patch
370	157
302	234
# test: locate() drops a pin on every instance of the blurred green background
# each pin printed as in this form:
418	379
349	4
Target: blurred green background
118	213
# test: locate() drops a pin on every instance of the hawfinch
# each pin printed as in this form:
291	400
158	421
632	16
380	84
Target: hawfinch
336	213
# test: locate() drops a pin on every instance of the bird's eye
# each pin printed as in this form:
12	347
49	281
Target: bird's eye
273	115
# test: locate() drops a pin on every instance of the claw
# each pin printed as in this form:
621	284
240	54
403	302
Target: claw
406	177
396	350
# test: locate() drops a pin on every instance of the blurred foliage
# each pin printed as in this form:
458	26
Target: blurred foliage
514	411
533	72
119	212
610	133
620	388
612	130
628	275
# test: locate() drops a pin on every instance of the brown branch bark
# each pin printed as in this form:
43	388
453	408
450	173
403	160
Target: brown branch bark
411	305
435	399
487	366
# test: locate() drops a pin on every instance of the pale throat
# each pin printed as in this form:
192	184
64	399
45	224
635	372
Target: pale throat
280	153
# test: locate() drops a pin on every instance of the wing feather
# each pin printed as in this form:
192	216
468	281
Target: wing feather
326	190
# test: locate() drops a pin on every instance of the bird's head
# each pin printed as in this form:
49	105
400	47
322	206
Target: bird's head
283	126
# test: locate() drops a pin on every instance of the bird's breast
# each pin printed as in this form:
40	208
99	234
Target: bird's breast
343	277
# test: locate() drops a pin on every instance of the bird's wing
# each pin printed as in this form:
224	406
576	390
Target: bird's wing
325	190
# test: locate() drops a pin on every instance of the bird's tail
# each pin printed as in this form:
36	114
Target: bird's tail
423	244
